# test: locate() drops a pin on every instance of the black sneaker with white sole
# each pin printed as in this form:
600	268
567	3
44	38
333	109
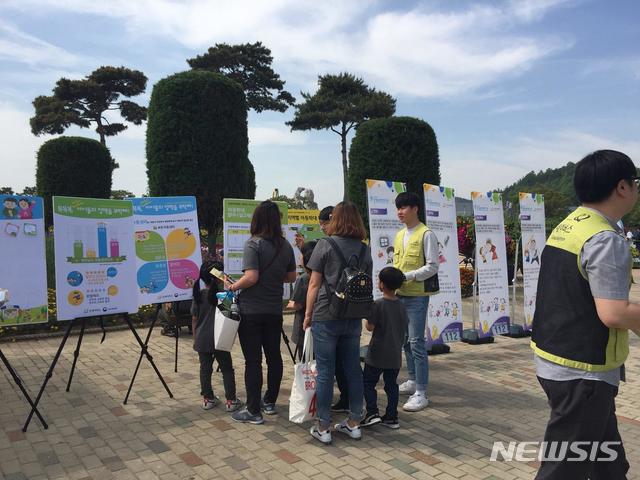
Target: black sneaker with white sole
390	422
268	408
370	419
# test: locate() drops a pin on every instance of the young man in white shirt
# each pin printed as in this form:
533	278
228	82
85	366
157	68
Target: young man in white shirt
416	255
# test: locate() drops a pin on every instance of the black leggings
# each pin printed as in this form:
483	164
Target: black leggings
206	370
260	332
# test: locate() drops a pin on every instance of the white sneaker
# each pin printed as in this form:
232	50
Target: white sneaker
209	403
323	437
408	387
353	432
416	402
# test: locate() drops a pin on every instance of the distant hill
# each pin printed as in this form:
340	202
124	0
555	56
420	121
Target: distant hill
556	184
559	180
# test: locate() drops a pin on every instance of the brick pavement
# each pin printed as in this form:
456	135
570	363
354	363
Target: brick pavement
479	394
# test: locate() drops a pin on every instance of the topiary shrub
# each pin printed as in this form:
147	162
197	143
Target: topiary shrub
73	167
402	149
197	142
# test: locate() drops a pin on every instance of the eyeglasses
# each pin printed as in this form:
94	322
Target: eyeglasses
636	180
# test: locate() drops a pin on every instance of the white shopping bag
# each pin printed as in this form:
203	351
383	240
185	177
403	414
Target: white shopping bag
302	402
225	330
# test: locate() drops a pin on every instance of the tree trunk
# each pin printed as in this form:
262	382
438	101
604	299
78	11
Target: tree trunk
345	166
103	139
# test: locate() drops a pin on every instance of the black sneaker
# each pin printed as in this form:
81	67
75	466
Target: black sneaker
341	406
390	422
245	416
268	408
371	419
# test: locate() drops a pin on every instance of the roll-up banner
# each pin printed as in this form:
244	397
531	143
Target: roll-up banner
491	264
532	226
383	223
444	317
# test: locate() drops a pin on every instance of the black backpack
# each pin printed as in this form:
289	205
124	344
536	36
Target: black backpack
353	297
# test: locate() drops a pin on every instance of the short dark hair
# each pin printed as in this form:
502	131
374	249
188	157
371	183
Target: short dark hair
407	199
266	222
10	199
597	175
391	278
325	213
307	250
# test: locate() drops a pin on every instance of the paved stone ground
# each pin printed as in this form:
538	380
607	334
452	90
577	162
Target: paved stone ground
479	394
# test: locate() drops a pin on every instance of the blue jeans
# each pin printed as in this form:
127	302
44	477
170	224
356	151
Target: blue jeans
343	337
415	348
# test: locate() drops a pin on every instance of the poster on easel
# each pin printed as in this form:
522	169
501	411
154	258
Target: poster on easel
383	223
94	257
237	214
22	255
167	247
532	227
444	316
303	226
491	264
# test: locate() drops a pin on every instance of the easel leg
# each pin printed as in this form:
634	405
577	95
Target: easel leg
48	375
286	341
18	382
144	352
175	368
76	354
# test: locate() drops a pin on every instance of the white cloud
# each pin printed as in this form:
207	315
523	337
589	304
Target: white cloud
19	147
420	52
522	107
16	45
274	135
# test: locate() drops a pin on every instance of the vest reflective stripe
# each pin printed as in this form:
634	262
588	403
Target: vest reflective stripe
411	258
565	304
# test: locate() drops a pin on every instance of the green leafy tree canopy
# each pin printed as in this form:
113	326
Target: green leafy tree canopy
340	104
85	102
249	65
399	149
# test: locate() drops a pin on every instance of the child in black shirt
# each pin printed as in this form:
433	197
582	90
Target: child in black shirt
388	322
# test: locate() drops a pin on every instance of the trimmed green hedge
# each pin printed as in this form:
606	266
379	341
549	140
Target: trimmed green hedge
402	149
73	167
197	142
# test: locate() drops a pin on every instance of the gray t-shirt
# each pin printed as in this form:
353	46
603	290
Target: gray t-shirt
390	321
273	264
325	261
205	316
606	260
299	296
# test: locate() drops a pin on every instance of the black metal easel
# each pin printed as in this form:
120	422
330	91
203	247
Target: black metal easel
18	382
49	374
144	352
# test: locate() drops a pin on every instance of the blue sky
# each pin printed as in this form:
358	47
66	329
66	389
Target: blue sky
508	86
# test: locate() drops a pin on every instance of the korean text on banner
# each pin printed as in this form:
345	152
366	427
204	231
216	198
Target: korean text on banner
167	246
95	257
532	226
383	223
491	262
444	315
303	226
22	256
